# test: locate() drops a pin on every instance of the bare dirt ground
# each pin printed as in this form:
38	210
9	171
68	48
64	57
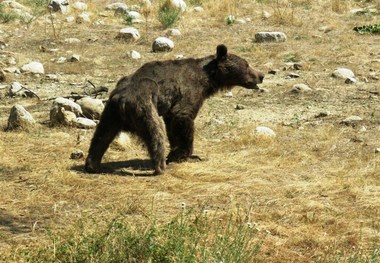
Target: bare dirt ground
312	190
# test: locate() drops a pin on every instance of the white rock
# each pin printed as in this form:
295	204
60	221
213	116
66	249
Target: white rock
228	94
60	116
134	54
135	15
115	6
20	118
128	34
15	89
343	73
61	60
300	88
83	18
270	37
68	105
180	4
80	6
173	32
352	120
377	150
59	6
91	108
72	40
265	131
198	9
162	44
70	19
84	123
33	67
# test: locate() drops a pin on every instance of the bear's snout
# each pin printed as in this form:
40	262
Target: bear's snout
261	77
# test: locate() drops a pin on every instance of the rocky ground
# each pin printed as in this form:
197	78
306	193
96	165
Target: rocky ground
314	182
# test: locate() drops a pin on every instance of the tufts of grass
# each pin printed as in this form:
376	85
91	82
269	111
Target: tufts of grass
369	29
168	16
7	16
188	237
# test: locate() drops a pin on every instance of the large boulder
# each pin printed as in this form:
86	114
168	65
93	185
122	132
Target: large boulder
33	67
63	111
20	118
91	108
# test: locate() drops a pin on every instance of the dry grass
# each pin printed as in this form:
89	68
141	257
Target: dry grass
312	192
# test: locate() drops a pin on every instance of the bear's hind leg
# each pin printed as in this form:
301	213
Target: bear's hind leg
152	130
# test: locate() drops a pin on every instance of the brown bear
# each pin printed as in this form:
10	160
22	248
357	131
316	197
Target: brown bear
174	90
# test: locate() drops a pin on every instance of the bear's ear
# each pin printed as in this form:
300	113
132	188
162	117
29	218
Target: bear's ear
221	52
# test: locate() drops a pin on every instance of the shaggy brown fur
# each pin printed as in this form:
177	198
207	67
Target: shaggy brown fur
175	90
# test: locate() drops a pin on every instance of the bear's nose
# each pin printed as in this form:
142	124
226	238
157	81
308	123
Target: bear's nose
261	77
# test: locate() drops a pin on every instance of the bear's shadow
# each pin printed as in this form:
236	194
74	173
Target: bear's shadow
134	167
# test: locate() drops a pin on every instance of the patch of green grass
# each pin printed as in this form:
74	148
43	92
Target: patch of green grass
7	16
369	29
188	237
168	16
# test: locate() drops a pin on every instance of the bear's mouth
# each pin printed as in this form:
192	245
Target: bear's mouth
251	85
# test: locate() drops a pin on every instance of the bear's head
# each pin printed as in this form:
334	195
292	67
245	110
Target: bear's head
233	70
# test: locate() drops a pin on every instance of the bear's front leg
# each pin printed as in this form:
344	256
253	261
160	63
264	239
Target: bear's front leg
180	131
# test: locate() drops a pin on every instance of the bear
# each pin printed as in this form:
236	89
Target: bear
161	99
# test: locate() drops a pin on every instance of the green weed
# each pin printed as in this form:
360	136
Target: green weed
188	237
168	16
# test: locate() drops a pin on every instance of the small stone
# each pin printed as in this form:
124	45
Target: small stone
77	155
61	60
198	9
70	19
80	6
325	29
74	58
128	34
162	44
59	6
293	76
173	32
84	123
322	114
239	107
377	150
115	6
261	130
352	120
134	54
266	15
343	73
228	94
300	88
270	37
72	40
83	18
273	71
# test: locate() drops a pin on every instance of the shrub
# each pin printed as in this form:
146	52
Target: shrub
168	16
5	16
